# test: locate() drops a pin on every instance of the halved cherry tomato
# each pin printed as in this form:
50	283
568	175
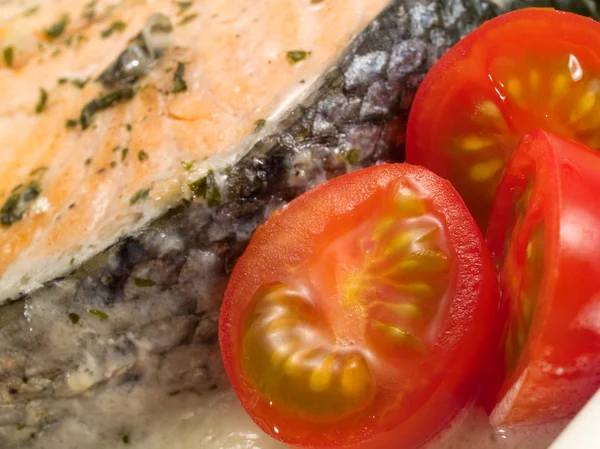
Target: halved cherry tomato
545	235
359	315
533	68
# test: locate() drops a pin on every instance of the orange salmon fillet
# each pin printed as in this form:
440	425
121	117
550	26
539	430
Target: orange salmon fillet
237	71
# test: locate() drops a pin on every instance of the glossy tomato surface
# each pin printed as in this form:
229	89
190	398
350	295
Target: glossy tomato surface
359	314
545	236
533	68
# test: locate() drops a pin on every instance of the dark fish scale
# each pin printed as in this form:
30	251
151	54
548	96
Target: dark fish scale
159	342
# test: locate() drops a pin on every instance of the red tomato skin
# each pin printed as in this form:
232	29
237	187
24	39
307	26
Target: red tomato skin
435	94
286	239
559	368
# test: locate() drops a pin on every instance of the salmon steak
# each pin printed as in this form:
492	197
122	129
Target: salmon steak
142	143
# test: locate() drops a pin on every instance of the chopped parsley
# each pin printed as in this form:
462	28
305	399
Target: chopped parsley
38	171
113	164
88	161
183	6
71	123
74	317
62	81
58	28
79	83
17	203
187	19
8	53
105	101
187	165
353	156
139	196
179	84
295	56
143	283
142	156
98	314
117	26
125	439
31	11
259	124
89	10
41	104
124	152
206	188
128	126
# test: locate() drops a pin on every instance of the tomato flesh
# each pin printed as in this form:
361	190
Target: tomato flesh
533	68
545	236
357	315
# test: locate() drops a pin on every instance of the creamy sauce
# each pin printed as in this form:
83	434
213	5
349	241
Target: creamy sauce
221	423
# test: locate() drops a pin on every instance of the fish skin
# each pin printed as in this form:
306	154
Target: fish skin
67	385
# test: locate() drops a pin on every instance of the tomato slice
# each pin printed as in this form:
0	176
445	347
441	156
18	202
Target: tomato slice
358	315
533	68
545	235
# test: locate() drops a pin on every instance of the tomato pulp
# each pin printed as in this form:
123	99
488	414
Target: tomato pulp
545	235
533	68
359	314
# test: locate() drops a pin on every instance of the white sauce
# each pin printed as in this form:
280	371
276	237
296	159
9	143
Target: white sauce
221	423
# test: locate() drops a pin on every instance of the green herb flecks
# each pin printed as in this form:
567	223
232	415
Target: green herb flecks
98	314
183	6
79	82
187	19
105	101
296	56
41	104
125	439
18	202
62	81
142	156
74	317
128	126
259	124
124	153
71	123
117	26
89	10
31	11
353	156
206	188
58	28
39	171
140	195
144	283
188	165
179	84
88	161
113	164
9	54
